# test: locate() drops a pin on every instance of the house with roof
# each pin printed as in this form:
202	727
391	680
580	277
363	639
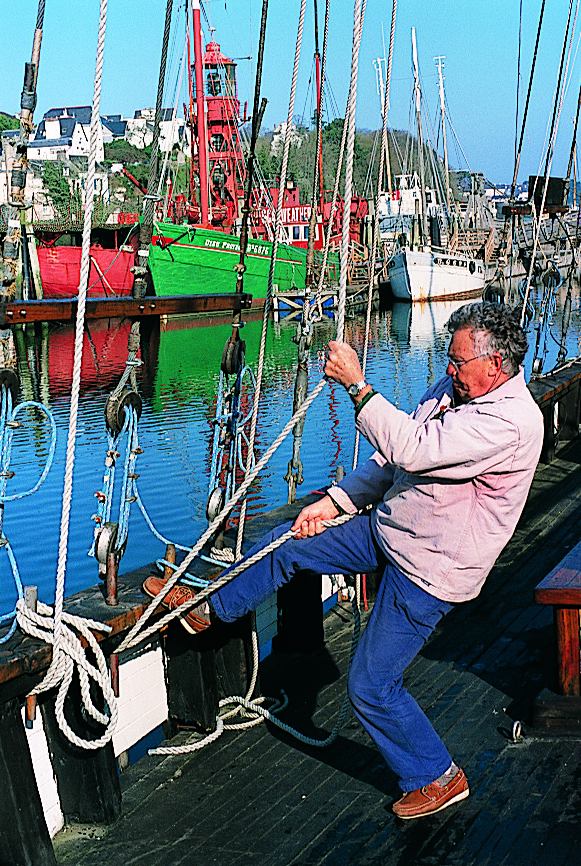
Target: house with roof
65	133
114	127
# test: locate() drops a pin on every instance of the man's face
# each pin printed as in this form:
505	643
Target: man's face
479	375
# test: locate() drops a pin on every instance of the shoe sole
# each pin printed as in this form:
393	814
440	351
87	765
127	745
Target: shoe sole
182	617
461	796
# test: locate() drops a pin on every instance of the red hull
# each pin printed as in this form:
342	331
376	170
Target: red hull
109	273
104	356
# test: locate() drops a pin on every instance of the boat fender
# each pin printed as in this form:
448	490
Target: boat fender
115	408
10	381
472	267
551	277
494	294
233	357
215	503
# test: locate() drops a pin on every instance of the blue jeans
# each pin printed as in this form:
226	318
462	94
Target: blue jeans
403	617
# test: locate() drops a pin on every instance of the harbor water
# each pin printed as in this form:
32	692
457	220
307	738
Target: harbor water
178	383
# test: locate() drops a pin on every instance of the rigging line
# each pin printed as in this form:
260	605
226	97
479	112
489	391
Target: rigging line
145	231
550	154
526	108
559	90
518	75
382	160
358	16
173	126
257	112
318	180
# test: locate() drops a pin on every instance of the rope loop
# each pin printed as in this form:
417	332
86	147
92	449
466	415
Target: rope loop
68	655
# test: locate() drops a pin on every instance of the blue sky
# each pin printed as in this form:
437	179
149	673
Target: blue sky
478	38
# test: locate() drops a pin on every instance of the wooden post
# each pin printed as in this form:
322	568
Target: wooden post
31	601
170	555
566	620
111	582
88	779
114	669
24	838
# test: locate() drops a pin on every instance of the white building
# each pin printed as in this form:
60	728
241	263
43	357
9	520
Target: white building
63	133
173	130
279	136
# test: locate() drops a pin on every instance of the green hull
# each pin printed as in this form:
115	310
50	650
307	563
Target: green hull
189	353
188	260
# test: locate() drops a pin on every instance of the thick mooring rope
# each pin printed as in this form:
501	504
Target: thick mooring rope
54	630
384	157
253	706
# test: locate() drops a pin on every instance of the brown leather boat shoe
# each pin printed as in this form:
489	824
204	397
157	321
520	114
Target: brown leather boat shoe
432	798
194	620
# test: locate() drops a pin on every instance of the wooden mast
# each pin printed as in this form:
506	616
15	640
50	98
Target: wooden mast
418	99
440	62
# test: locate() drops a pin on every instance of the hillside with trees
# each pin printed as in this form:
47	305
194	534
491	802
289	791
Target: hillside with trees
402	157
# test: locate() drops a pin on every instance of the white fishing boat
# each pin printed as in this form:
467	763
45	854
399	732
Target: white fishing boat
434	273
432	259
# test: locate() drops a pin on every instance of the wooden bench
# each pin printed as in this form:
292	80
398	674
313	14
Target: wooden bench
561	588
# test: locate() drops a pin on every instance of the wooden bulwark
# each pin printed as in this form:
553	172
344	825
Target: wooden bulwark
57	310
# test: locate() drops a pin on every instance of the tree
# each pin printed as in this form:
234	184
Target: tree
8	121
64	200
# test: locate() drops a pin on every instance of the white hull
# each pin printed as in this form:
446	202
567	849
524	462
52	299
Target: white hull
432	274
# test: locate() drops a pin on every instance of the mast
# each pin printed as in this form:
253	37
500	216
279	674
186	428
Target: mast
319	99
202	143
440	63
418	100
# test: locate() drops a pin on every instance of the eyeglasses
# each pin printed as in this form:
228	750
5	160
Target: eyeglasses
457	364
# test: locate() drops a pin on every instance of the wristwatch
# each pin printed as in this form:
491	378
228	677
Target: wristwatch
356	388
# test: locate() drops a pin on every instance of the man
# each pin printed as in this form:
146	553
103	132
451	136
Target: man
447	486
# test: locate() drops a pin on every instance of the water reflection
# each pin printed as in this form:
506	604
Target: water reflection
178	382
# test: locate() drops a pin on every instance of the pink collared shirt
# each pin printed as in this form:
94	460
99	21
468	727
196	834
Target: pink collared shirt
448	483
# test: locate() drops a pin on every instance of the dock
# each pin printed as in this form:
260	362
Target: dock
260	797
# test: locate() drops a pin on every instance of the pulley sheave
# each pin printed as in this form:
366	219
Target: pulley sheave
116	405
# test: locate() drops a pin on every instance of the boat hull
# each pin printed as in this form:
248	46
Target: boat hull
427	275
109	271
192	260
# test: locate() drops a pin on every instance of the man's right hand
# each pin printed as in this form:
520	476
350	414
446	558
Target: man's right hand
310	520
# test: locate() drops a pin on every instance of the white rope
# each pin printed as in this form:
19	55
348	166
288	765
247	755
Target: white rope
384	156
358	16
268	300
258	713
64	647
41	625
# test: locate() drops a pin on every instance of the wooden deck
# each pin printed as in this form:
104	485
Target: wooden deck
260	797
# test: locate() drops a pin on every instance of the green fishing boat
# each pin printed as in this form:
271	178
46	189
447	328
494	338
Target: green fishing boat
188	259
